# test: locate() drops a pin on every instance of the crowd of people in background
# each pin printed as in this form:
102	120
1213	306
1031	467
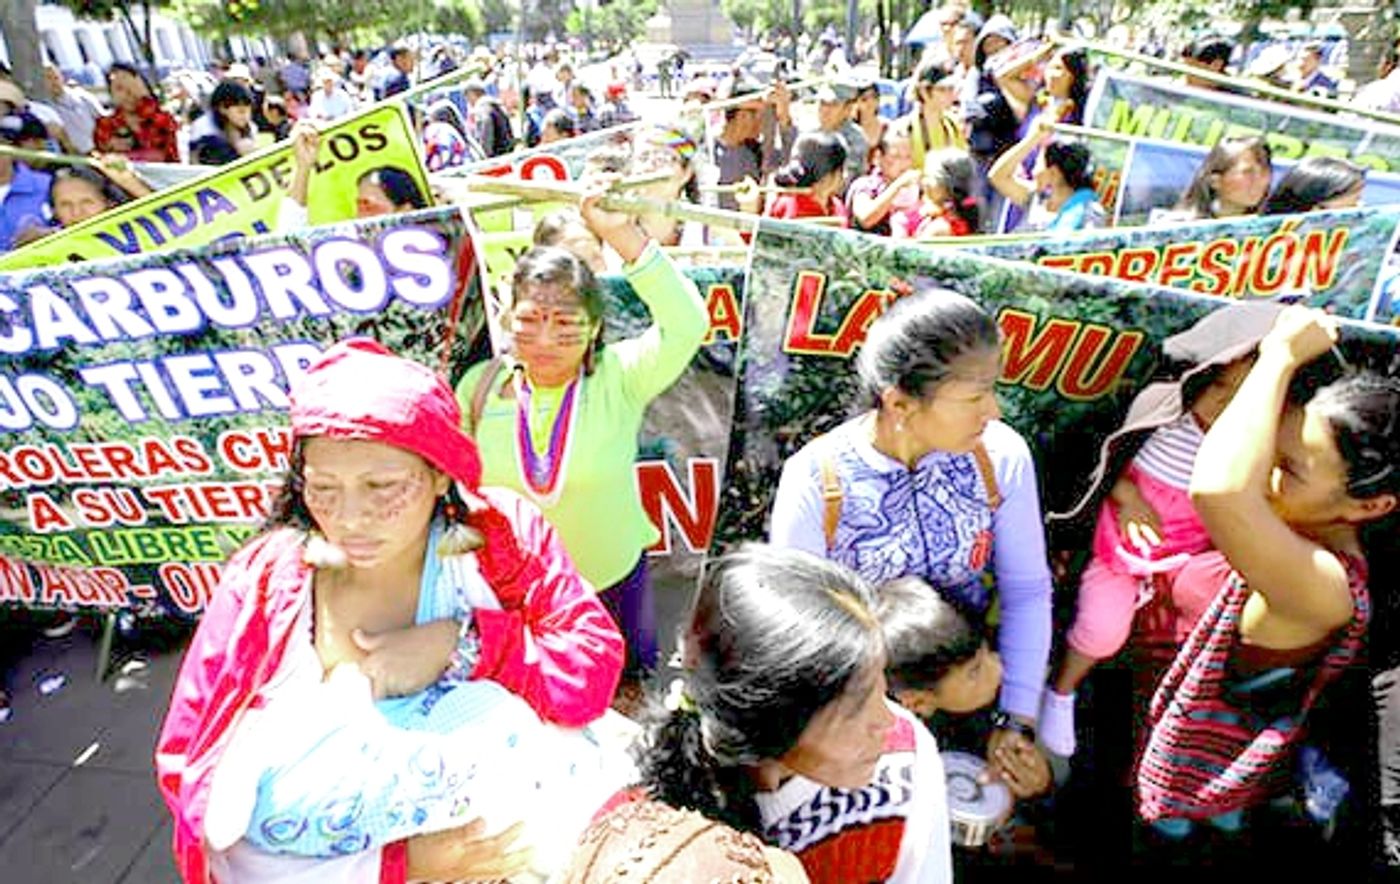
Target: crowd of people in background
902	605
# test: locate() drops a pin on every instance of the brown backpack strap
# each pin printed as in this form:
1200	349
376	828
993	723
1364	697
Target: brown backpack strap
831	500
482	390
989	475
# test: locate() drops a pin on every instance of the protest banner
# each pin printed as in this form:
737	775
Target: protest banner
1173	111
1075	350
1343	261
1159	172
239	199
144	398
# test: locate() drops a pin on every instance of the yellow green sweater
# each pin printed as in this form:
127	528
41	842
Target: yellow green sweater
599	512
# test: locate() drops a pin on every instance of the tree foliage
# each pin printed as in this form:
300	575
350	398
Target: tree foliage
372	19
615	24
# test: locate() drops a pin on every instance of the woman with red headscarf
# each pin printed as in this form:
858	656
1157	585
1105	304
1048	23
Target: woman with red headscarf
384	565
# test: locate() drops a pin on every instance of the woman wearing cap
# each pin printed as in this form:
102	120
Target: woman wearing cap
137	127
557	417
386	566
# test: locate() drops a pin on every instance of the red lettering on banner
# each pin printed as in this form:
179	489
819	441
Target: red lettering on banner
1058	262
725	316
189	586
45	515
668	505
1031	357
95	587
801	335
1097	263
256	451
1074	382
543	163
16	581
1172	260
1136	265
1212	267
99	507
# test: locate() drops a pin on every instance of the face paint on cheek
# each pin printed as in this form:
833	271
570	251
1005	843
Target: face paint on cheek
391	503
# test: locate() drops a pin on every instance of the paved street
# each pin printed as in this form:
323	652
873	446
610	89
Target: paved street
78	799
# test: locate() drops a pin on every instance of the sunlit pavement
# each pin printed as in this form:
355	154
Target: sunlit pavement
78	799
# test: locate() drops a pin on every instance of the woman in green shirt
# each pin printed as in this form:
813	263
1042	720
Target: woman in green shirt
557	418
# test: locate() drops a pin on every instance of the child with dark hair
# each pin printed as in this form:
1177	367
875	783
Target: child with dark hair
950	206
818	164
225	132
938	663
1059	194
1147	537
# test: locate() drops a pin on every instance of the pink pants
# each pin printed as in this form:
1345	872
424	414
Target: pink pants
1120	578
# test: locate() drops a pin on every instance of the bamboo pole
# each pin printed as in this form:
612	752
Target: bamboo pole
1226	80
770	188
561	192
45	156
1089	131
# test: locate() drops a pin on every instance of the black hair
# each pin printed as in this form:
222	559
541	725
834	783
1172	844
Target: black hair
913	346
1073	160
288	508
1199	197
229	93
397	185
561	121
1313	181
444	111
815	155
926	635
1076	61
113	194
929	72
552	265
738	89
954	170
1363	411
773	637
1209	49
275	102
399	52
122	67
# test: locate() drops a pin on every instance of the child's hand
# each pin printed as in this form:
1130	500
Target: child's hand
1137	520
1019	763
405	661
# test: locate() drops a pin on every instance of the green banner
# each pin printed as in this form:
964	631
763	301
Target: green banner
1075	350
239	199
1344	261
1172	111
143	399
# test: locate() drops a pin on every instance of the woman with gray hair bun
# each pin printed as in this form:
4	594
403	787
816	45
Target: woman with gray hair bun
928	482
782	709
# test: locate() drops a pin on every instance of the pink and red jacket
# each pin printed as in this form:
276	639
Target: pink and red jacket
553	643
